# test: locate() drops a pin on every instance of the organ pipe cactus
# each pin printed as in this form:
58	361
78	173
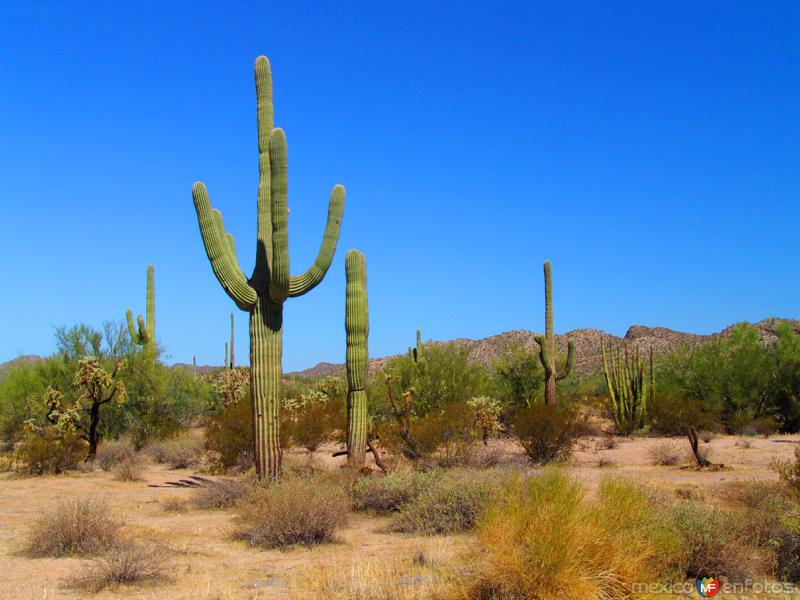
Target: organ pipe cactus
356	324
262	294
145	335
547	344
628	387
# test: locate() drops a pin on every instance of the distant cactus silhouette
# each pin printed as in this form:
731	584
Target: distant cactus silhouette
547	344
263	294
146	334
357	358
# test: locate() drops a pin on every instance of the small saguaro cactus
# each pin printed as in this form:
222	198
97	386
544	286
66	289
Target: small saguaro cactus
627	386
356	324
547	343
416	353
232	361
146	333
262	294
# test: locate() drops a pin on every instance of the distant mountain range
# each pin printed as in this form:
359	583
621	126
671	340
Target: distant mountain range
587	346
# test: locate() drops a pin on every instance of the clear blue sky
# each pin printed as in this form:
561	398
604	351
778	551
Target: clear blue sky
650	150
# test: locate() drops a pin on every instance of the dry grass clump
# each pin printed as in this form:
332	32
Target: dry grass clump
451	503
379	578
113	452
789	471
174	504
179	452
292	511
48	452
224	493
665	454
128	562
544	539
83	526
389	492
128	469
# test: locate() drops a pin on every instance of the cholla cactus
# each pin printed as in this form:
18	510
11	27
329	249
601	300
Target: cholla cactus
487	415
231	385
263	294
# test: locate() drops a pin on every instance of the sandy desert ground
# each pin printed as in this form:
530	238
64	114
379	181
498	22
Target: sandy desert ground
208	564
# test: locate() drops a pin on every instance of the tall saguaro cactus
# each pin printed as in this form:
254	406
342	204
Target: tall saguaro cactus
263	294
356	323
547	343
146	334
627	386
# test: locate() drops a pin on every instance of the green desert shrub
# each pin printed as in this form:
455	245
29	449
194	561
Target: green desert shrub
229	431
48	451
389	492
82	526
452	503
789	471
547	432
544	538
295	510
314	413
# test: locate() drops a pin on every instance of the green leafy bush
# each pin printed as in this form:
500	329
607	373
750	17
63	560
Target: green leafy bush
547	432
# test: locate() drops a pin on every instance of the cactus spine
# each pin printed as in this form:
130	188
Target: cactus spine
356	323
547	343
232	361
145	336
627	386
263	294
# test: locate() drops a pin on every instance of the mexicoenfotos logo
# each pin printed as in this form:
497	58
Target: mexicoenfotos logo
708	587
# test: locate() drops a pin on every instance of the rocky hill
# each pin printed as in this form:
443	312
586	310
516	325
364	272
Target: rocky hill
587	345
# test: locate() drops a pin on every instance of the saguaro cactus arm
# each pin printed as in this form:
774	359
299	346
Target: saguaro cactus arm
279	266
146	332
219	250
300	284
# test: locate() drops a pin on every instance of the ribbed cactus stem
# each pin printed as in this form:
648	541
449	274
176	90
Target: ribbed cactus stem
232	361
263	294
143	332
547	343
356	323
628	388
226	363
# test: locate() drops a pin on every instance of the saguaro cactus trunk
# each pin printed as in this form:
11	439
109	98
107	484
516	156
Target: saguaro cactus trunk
356	324
547	344
263	294
145	336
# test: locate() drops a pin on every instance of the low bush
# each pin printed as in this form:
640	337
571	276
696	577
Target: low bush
789	471
224	493
127	562
292	511
128	469
178	452
174	504
547	432
112	452
719	542
48	452
544	539
229	432
451	503
78	527
666	454
389	492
